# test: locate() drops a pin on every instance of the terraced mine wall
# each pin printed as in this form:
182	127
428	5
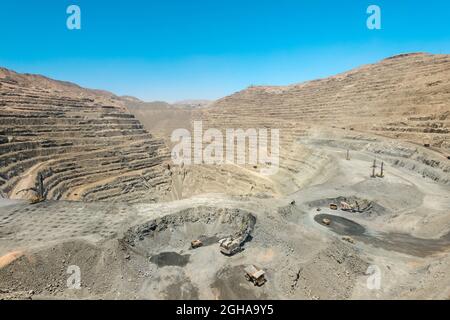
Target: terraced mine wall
82	144
405	97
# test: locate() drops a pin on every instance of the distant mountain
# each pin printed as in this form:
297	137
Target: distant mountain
193	104
158	117
135	103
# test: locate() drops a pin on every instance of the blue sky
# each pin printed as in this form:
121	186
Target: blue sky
194	49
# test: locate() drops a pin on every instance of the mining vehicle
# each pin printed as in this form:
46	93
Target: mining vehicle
255	275
230	246
196	244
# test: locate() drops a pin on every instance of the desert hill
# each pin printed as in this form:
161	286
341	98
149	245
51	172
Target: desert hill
405	96
82	144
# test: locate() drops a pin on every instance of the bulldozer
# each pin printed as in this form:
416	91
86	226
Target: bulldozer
255	275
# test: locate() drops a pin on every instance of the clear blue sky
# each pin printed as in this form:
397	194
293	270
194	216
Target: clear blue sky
192	49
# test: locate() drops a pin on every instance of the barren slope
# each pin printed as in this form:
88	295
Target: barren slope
405	96
82	142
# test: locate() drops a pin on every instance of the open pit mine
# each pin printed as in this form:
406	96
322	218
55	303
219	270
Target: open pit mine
93	207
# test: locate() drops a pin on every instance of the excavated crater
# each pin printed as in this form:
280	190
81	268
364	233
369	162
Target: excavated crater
164	238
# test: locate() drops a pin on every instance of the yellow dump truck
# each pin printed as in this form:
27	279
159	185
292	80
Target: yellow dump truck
255	275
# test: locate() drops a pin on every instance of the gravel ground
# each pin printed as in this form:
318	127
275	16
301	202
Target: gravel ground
142	251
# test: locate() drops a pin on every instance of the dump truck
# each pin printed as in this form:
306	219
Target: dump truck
255	275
